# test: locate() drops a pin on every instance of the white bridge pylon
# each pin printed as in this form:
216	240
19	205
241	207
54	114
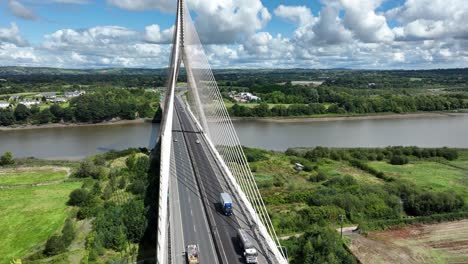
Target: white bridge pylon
206	106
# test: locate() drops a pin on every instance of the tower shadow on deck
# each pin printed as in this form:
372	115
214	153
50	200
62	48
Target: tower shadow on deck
147	246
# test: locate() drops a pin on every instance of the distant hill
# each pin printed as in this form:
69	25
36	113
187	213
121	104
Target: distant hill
15	70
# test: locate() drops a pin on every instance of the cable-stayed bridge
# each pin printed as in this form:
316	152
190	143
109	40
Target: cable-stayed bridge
201	157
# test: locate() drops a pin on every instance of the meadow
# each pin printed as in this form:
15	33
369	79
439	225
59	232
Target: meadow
30	215
32	175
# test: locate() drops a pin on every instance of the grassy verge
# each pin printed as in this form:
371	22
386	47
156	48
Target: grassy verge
29	216
32	175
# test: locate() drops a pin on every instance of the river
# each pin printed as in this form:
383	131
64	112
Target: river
78	142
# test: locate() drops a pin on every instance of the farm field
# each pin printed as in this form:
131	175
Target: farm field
431	175
437	243
31	214
32	175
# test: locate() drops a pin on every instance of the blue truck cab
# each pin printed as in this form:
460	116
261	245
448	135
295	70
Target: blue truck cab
226	203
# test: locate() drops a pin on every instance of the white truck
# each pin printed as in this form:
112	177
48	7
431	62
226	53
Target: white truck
192	254
250	252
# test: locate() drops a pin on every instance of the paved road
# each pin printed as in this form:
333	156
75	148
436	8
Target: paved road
199	183
187	216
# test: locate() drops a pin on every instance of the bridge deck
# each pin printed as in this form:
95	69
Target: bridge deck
194	194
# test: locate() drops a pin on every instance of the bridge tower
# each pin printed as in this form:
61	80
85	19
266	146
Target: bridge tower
205	105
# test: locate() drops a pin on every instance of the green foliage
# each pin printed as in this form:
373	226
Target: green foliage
54	246
78	197
399	160
254	154
22	113
59	243
134	220
137	187
320	244
88	168
7	159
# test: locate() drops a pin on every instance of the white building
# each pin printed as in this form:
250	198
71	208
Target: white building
59	100
47	95
29	103
15	97
4	104
74	94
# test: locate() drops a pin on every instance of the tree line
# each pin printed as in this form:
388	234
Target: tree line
98	106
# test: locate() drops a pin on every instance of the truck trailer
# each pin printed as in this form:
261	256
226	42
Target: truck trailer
250	252
226	203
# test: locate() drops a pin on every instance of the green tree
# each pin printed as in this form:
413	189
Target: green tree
54	246
134	220
7	117
7	159
45	116
22	113
78	197
68	232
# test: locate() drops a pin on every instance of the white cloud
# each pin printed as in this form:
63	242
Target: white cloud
431	19
301	15
80	2
140	5
344	33
366	25
218	22
19	10
153	34
12	35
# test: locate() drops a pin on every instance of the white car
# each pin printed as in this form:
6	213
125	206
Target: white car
175	140
198	141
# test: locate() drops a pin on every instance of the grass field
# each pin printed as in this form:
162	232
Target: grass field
438	243
29	215
430	175
31	175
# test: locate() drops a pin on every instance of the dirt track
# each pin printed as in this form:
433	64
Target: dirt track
438	243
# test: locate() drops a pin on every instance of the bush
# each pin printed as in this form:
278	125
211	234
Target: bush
399	160
78	197
137	187
88	169
7	159
54	246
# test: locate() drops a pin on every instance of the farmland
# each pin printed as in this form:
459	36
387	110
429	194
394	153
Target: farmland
364	188
30	215
436	243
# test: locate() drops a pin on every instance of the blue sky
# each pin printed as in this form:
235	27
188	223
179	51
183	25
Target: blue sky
238	33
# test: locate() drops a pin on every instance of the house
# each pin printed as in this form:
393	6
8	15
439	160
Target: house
15	97
4	104
299	166
59	100
243	97
249	97
29	103
74	94
47	95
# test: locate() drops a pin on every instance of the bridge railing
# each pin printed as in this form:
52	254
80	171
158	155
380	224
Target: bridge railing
166	141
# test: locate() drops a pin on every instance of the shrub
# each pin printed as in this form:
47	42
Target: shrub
399	160
137	187
87	169
78	197
54	246
7	159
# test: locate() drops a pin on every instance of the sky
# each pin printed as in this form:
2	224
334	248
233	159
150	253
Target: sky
355	34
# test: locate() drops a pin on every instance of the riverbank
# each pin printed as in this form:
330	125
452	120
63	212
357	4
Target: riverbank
324	118
61	125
